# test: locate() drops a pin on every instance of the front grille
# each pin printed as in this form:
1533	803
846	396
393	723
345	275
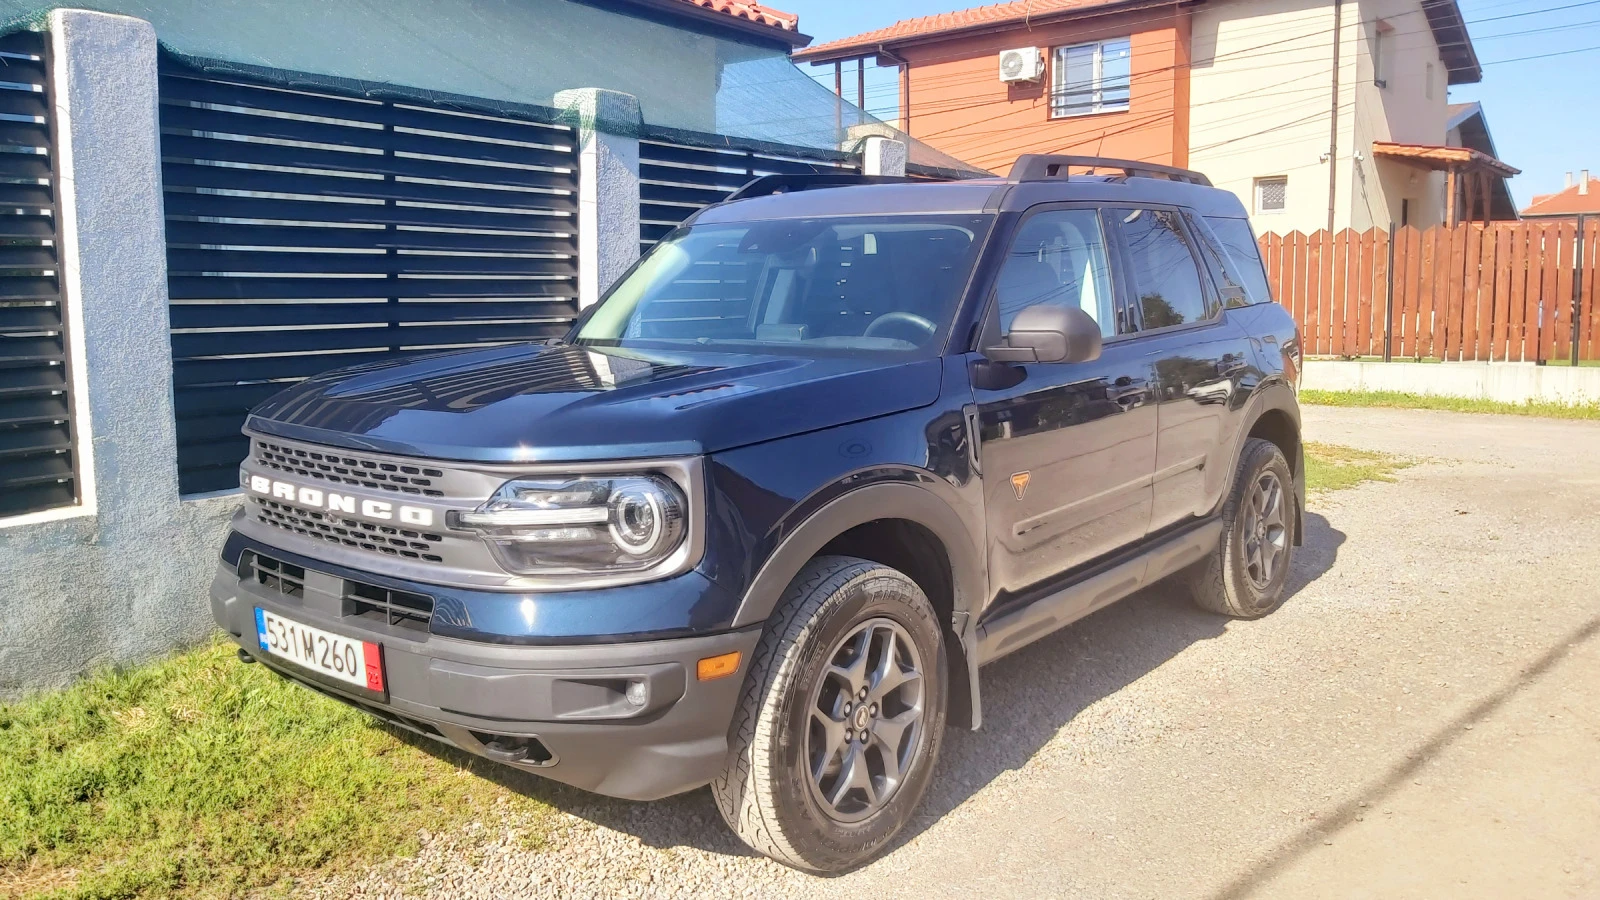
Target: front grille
336	529
390	607
343	467
285	579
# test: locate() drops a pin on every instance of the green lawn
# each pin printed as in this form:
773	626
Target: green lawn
1565	360
1398	400
1333	468
198	776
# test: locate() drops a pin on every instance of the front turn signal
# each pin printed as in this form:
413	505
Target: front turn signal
713	667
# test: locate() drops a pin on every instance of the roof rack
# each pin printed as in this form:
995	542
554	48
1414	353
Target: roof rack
1045	166
784	184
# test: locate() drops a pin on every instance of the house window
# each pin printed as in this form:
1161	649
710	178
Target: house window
1091	78
1272	194
1428	85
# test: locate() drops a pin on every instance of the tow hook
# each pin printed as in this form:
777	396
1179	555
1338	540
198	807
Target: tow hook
246	658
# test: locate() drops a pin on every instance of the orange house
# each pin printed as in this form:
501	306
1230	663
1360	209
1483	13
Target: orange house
1112	79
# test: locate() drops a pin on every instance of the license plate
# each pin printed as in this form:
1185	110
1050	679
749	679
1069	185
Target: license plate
354	662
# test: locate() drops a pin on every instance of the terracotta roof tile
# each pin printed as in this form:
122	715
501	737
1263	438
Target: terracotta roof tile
1438	157
922	26
754	12
1568	202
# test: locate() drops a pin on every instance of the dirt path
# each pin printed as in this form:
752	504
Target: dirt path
1418	720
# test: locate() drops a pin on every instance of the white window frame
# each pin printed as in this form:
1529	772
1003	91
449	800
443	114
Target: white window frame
1256	194
1058	75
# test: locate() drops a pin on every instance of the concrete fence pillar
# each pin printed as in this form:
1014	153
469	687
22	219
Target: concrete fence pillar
608	123
883	156
121	576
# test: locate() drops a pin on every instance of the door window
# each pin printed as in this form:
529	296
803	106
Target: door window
1166	280
1058	258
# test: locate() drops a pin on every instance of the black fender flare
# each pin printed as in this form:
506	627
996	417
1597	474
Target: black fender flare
887	500
1275	394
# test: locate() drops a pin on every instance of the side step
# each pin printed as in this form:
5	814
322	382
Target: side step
1020	627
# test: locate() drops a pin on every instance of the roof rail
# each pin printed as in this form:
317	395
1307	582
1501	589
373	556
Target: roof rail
784	184
1044	166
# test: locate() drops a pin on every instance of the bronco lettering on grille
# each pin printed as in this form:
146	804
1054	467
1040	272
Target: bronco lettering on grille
317	498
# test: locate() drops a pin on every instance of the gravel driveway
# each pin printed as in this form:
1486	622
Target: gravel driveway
1418	720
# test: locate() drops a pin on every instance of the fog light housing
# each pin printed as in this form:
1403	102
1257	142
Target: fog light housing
637	694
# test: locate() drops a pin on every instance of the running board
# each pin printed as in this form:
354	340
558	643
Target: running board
1018	628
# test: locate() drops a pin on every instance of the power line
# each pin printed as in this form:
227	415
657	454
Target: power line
987	97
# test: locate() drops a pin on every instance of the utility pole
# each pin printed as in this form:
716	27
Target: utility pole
1333	119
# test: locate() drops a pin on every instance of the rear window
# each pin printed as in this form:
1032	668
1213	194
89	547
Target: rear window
1243	257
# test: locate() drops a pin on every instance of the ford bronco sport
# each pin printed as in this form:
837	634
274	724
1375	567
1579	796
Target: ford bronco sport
762	514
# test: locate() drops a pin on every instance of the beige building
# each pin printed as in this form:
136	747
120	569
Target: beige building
1264	122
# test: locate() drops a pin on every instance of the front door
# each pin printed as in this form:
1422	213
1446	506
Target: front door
1067	449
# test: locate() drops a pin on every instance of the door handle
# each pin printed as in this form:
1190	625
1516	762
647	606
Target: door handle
969	413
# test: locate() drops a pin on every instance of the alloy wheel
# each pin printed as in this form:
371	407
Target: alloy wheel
865	720
1266	535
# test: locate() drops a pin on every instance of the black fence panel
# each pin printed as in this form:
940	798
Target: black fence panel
681	172
308	230
38	468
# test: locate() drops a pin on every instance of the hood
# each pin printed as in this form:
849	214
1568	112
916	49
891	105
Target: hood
534	403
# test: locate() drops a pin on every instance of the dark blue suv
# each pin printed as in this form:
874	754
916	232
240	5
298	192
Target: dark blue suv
758	519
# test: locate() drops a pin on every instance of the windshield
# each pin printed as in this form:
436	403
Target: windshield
830	286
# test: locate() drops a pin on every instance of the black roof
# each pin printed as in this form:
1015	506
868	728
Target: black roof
981	195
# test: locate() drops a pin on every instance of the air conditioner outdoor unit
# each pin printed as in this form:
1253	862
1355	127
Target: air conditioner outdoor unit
1021	64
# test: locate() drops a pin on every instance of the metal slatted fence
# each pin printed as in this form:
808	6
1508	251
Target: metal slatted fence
37	460
309	230
682	172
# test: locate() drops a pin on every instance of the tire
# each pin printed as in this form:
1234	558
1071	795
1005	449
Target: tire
1230	581
808	655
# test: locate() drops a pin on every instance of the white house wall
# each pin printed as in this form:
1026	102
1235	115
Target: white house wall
1403	111
1261	91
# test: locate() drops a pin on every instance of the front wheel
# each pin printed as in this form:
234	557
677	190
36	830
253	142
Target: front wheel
842	718
1247	575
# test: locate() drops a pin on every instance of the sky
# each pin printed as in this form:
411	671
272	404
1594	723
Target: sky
1544	114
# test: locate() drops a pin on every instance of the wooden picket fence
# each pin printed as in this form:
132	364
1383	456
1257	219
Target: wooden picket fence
1502	292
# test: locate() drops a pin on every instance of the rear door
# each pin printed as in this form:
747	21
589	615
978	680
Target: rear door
1067	449
1199	358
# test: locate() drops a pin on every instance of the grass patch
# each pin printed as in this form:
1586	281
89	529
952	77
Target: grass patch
1399	400
1334	468
200	777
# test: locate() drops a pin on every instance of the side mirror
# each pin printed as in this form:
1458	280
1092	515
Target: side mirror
1049	334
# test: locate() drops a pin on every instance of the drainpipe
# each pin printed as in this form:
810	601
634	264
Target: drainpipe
1333	126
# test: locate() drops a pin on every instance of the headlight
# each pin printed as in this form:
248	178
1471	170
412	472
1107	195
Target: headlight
583	525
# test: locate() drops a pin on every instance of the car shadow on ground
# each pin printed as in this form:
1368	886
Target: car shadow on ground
1027	698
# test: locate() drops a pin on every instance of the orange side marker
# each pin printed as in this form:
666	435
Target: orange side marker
718	666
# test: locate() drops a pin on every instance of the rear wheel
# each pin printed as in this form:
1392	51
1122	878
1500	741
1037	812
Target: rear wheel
1248	574
836	738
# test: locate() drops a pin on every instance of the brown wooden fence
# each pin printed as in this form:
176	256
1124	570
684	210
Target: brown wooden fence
1503	292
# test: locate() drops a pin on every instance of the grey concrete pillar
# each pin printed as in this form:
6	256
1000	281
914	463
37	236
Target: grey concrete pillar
123	576
883	156
114	250
608	124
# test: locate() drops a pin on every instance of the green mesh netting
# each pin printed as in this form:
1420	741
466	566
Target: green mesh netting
517	52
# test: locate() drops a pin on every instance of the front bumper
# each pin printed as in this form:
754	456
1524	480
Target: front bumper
557	710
